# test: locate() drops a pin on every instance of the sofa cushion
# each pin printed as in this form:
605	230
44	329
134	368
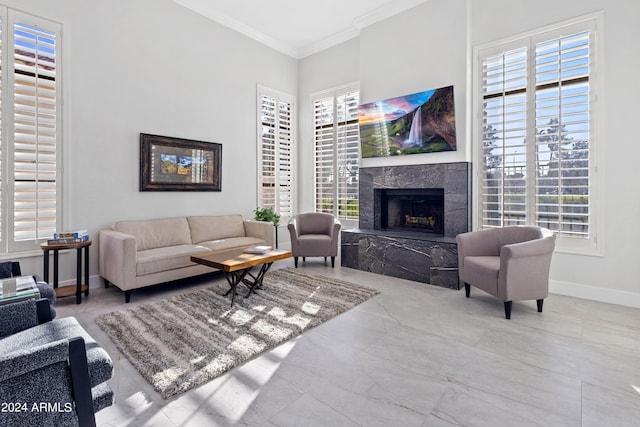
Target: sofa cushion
207	228
233	242
163	259
156	233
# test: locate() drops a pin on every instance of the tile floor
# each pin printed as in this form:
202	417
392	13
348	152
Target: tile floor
415	355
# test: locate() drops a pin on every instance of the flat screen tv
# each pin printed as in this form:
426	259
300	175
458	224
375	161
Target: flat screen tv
419	123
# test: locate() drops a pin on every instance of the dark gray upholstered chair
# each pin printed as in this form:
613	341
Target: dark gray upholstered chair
53	368
12	269
314	234
511	263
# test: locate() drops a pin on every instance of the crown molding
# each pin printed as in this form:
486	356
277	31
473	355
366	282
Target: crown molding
383	12
328	42
201	7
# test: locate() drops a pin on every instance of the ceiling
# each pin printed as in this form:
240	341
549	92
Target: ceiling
299	28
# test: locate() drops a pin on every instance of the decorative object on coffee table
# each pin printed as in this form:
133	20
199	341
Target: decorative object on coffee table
187	340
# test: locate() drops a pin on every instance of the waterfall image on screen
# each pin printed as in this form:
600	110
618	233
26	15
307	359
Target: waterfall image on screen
418	123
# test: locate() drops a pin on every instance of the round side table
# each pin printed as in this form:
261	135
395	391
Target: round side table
66	291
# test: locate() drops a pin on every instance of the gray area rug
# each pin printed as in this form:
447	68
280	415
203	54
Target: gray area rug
187	340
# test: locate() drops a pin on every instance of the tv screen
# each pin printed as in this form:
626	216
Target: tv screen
419	123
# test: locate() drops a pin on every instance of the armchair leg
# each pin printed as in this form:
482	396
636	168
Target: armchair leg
325	260
507	309
540	301
295	261
333	262
127	296
467	289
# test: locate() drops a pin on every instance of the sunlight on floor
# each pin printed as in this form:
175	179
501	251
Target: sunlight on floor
249	381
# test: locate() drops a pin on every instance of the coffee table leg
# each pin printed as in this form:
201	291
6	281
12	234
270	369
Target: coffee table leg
234	277
257	281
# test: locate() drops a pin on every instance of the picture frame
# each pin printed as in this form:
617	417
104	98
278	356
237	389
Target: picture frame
178	164
422	122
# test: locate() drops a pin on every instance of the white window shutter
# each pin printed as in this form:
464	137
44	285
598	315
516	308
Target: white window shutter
337	152
275	151
34	132
536	132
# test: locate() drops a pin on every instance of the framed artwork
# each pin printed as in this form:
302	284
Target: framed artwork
177	164
422	122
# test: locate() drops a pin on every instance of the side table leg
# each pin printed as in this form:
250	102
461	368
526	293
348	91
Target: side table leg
55	268
45	273
86	269
78	275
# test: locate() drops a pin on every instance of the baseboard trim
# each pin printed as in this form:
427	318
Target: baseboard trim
611	296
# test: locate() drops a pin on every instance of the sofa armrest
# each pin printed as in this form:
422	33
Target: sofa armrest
118	255
261	230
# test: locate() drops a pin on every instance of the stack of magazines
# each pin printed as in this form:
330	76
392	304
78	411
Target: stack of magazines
67	237
257	250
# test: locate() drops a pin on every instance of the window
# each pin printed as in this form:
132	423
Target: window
30	133
275	151
337	152
537	142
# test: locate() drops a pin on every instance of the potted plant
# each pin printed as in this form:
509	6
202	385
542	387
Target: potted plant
268	215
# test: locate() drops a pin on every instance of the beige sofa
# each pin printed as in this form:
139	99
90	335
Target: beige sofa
135	254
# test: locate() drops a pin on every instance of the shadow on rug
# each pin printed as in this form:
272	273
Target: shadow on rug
190	339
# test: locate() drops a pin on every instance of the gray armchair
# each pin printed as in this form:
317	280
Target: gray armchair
511	263
53	369
314	234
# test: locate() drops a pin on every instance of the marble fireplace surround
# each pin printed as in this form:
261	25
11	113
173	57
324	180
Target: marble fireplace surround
417	256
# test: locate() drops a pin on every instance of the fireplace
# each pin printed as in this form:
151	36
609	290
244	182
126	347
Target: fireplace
414	236
411	209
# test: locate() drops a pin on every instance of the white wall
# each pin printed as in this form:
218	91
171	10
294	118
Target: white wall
156	67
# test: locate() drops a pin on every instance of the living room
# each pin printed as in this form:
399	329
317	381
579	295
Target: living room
132	67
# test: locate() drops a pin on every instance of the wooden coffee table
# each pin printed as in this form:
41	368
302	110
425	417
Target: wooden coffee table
237	265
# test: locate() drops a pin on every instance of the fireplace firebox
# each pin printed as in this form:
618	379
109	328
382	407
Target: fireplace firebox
411	209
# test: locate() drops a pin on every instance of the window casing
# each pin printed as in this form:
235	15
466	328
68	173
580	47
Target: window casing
276	119
536	154
337	152
30	130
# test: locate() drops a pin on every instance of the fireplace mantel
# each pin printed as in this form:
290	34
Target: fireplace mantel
410	255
